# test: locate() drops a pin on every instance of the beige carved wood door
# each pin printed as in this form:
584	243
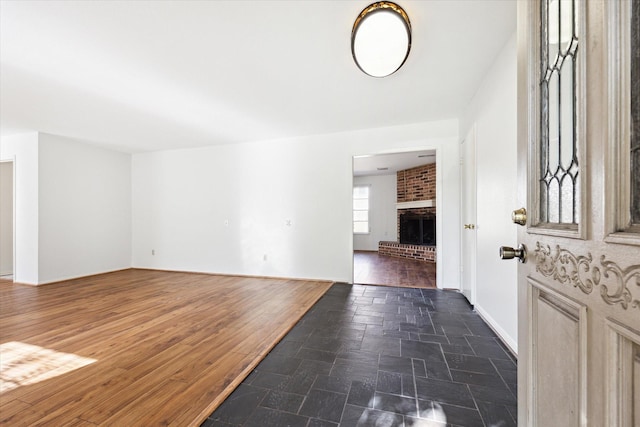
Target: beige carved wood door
579	179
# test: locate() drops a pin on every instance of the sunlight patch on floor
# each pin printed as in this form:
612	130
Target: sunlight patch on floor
23	364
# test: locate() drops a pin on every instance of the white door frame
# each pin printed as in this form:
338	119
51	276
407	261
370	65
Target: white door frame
438	152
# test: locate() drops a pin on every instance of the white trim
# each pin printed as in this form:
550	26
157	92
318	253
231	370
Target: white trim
65	278
439	282
415	204
502	334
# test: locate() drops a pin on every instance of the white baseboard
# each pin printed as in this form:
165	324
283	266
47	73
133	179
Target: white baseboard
506	339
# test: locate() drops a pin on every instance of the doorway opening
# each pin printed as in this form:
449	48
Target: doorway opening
6	221
393	194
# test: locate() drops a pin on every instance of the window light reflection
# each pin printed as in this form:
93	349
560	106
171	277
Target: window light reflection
23	364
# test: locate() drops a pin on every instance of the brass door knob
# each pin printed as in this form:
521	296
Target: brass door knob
519	216
507	252
469	226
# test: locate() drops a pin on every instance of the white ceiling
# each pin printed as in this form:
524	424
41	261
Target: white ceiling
152	75
389	164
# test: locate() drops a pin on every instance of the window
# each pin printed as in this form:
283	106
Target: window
623	167
361	209
559	168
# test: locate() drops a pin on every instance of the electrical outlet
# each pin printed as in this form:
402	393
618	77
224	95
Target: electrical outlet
226	222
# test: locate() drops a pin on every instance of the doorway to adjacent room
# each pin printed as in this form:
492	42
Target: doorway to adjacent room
388	189
6	220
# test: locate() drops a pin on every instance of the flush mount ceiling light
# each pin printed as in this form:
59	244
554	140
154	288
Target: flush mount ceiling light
381	39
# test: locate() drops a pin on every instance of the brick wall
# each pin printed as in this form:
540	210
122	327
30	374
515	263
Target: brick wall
398	250
418	183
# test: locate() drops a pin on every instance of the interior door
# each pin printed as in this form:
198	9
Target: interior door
468	208
6	220
579	289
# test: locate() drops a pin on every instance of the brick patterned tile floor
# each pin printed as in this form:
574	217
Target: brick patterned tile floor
380	356
370	268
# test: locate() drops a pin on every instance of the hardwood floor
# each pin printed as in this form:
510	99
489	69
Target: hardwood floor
137	347
370	268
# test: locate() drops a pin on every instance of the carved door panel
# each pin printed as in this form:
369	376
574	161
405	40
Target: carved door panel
579	178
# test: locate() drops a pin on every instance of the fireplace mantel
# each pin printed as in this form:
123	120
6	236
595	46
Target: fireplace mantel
415	204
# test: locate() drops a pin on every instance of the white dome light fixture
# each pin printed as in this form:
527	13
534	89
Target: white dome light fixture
381	39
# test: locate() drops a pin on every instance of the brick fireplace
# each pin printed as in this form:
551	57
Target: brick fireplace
416	213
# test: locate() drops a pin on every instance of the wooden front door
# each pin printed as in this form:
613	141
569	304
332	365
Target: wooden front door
579	179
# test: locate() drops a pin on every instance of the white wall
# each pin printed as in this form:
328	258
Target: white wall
84	209
382	211
72	208
182	198
6	218
23	150
493	109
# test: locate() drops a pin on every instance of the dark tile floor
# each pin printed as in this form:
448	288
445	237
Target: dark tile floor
380	356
